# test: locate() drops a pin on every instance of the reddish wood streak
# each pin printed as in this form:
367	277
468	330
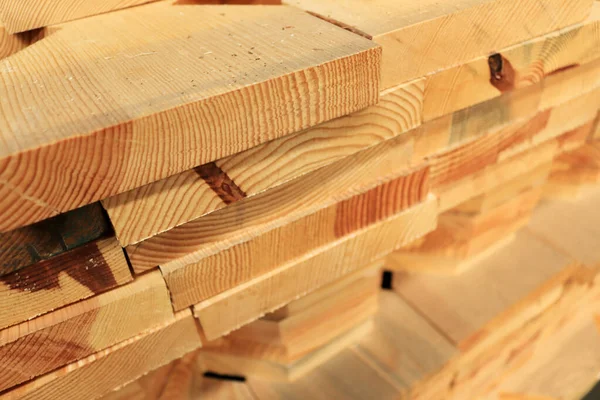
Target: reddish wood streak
561	69
381	202
220	182
502	74
85	264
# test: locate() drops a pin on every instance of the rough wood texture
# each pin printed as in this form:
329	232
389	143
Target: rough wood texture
274	208
191	194
61	280
187	85
247	302
115	366
46	239
71	333
263	253
424	36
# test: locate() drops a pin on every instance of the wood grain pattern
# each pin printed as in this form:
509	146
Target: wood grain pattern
115	366
46	239
271	209
421	37
10	44
512	68
247	302
183	197
575	171
61	280
167	99
193	283
66	335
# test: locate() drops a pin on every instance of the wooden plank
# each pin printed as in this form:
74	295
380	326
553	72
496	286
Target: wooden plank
403	343
274	208
247	302
260	254
453	303
232	364
156	110
46	239
159	206
71	333
575	171
335	379
10	44
421	37
61	280
115	366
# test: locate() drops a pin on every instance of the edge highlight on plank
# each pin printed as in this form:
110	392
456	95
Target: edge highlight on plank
189	84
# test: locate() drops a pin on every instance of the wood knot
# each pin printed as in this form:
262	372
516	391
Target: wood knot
502	74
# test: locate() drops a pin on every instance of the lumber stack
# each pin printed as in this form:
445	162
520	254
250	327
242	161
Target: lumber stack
343	199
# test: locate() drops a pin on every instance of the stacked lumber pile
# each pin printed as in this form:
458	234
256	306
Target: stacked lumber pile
342	199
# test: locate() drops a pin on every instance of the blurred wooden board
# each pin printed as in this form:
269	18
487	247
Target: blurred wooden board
115	366
263	253
49	238
249	301
575	171
71	333
71	276
153	110
419	37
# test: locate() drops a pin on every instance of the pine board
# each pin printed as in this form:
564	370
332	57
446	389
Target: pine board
247	302
61	280
148	99
71	333
115	366
419	37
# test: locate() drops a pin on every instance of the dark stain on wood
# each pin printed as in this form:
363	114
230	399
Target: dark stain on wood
381	202
85	264
45	350
46	239
502	74
220	183
562	69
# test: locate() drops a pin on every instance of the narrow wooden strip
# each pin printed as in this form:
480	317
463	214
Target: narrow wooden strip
66	335
46	239
199	281
115	366
421	37
186	86
249	301
61	280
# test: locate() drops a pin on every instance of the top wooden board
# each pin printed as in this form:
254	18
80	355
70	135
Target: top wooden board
116	101
421	36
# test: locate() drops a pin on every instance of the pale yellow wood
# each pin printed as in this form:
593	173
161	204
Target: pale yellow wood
159	206
261	252
419	37
10	44
62	280
274	208
228	364
185	85
115	366
575	171
251	300
78	330
462	305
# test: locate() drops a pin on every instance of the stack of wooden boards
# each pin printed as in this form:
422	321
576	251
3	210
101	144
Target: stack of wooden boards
188	188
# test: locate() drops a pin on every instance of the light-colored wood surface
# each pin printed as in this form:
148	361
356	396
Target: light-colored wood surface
274	208
61	280
159	206
66	335
462	305
575	171
115	366
249	301
262	253
419	37
10	44
187	85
